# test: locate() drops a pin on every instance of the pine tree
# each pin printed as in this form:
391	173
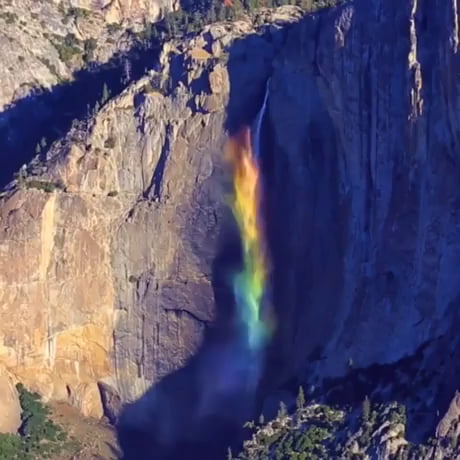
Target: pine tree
282	412
105	94
300	401
366	409
261	419
229	454
306	5
220	13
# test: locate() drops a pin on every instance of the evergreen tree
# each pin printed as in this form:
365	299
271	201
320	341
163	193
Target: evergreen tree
220	13
306	5
366	409
282	412
300	401
261	419
105	94
212	16
229	454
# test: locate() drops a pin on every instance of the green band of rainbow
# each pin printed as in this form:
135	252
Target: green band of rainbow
250	283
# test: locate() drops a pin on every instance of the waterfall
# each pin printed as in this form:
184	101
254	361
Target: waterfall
258	123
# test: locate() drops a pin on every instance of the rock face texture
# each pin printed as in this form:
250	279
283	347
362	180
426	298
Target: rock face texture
362	118
128	11
10	409
109	277
43	43
107	244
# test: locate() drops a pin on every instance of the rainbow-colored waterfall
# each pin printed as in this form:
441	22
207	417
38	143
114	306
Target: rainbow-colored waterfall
250	283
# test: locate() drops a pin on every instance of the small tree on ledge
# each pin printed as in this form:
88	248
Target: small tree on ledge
300	401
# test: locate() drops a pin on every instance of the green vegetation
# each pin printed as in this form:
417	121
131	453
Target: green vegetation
110	143
9	17
114	28
38	437
282	411
78	13
197	13
319	431
306	434
89	46
105	94
300	401
50	67
73	13
46	186
67	47
366	410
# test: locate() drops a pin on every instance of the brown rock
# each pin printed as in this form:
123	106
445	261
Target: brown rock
87	399
10	409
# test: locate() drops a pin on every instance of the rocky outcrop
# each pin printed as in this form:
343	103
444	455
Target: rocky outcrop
111	402
44	43
86	398
10	409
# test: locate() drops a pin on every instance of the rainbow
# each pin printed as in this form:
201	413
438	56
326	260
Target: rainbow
249	284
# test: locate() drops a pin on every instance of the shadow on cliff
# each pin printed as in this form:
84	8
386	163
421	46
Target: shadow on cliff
30	125
199	410
187	415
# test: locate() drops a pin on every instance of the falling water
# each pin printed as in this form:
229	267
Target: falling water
258	123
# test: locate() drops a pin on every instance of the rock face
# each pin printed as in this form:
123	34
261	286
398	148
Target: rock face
364	205
360	144
86	398
111	402
43	43
10	409
107	245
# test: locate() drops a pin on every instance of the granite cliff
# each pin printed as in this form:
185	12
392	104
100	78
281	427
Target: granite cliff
44	43
105	233
110	243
